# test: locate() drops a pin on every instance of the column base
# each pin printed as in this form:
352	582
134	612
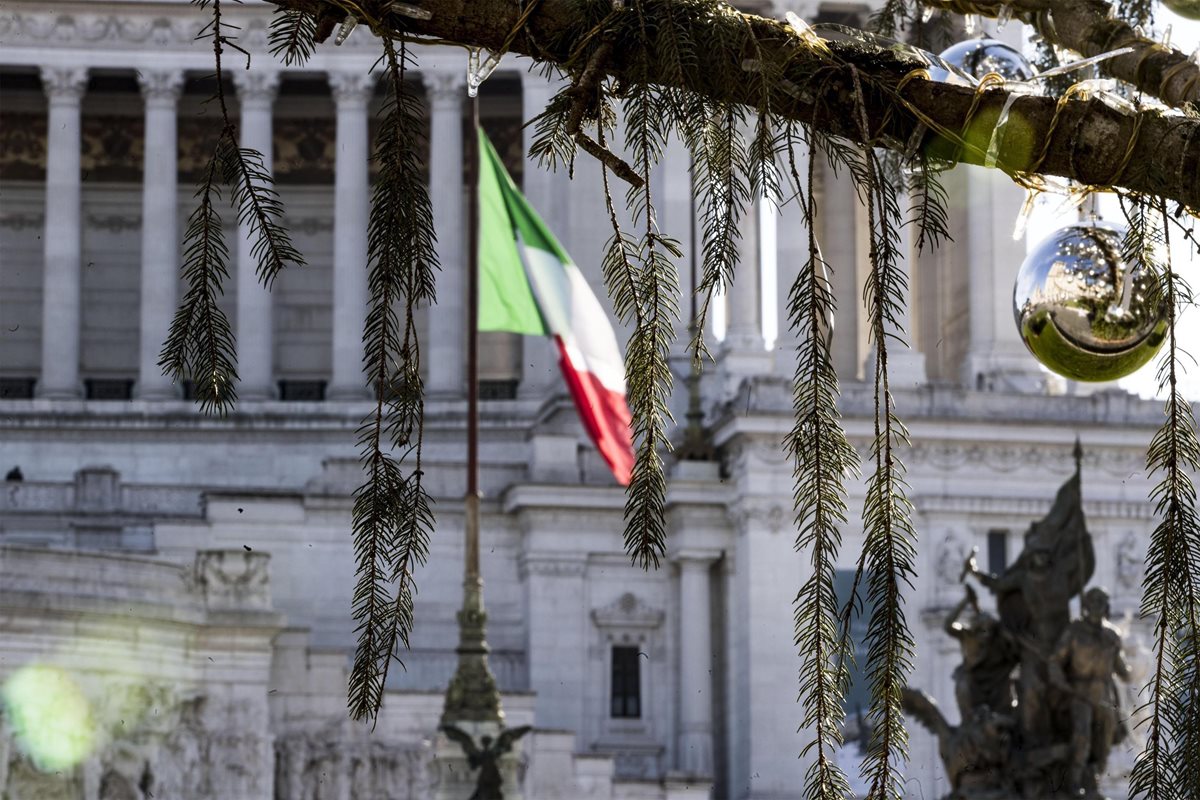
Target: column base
60	393
347	394
255	393
695	755
1005	371
906	368
157	393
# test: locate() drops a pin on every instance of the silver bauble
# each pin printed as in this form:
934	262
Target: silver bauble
1189	9
978	57
1082	311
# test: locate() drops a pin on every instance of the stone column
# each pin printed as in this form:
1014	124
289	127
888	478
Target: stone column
764	716
160	229
549	192
695	666
62	240
837	208
448	322
743	330
255	326
743	352
996	359
351	200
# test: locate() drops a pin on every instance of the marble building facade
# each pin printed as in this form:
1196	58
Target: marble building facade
193	573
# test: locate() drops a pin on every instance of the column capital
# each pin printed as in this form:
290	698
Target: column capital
161	86
64	83
352	87
256	86
444	87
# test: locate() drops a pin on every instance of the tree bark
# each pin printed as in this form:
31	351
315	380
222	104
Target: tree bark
1081	139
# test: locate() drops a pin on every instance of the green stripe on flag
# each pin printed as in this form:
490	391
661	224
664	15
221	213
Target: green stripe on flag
506	301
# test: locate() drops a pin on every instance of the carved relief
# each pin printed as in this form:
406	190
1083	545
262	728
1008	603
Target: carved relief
1131	564
313	765
233	580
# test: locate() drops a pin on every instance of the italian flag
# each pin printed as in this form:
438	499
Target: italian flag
528	284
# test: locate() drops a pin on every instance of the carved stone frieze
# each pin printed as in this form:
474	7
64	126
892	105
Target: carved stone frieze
628	611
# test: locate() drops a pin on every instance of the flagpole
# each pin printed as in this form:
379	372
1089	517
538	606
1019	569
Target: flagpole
472	696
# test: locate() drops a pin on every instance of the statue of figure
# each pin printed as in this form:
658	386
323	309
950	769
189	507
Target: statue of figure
486	759
988	656
1033	597
1083	663
975	753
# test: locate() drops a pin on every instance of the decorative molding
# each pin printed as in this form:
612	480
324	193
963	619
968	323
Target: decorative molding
115	223
352	88
20	222
161	86
310	226
553	566
1031	508
64	83
628	612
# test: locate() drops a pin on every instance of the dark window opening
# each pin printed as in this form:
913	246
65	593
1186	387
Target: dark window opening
302	391
108	388
997	551
17	388
626	683
858	694
498	390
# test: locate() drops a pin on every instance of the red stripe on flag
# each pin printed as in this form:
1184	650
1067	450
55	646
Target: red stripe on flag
604	413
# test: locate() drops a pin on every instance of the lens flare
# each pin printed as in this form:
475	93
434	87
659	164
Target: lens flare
50	716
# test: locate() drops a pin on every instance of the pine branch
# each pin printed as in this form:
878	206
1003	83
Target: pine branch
889	546
1168	767
821	456
392	518
292	36
259	208
200	345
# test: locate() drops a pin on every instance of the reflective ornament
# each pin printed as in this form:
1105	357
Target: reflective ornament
978	57
1189	9
1082	311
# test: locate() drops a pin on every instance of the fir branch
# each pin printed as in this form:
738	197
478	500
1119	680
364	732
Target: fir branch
720	160
292	36
889	546
200	345
259	208
391	517
930	206
1165	769
821	458
647	370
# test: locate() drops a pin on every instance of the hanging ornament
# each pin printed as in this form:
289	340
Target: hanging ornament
978	57
1189	9
1082	310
